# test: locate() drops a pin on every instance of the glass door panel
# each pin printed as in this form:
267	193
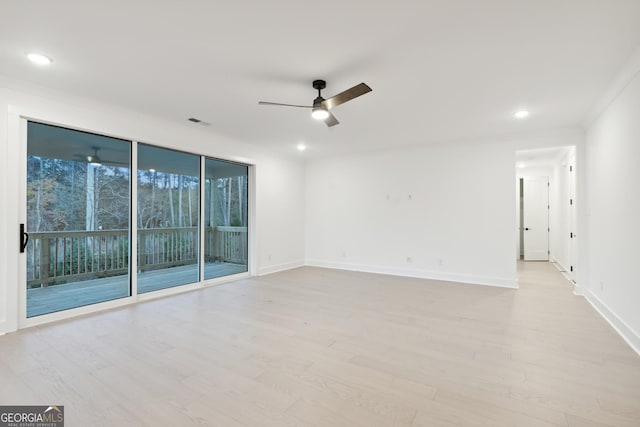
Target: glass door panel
168	218
78	213
226	218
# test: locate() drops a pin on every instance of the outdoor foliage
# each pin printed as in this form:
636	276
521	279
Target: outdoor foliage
66	195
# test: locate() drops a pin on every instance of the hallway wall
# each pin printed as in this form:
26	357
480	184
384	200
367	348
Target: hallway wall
613	198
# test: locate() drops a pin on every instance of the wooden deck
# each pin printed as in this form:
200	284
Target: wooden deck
76	294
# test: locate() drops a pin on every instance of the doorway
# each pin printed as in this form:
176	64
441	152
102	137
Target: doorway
534	218
546	179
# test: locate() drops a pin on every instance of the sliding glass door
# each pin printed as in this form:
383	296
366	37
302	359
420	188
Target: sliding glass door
78	212
168	218
226	218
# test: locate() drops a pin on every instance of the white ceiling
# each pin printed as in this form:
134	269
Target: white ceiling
439	69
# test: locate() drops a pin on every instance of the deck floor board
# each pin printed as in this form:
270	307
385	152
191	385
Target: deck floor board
77	294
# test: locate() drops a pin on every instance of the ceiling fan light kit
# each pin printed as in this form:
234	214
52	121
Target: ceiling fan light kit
320	110
319	113
94	160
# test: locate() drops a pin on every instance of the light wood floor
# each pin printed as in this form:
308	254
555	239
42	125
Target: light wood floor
317	347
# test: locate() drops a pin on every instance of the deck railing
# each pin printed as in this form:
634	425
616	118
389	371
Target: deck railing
226	244
63	256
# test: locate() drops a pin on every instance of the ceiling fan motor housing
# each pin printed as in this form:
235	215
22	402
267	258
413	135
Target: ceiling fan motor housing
319	84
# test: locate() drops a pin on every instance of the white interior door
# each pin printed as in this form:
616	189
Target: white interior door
572	219
536	219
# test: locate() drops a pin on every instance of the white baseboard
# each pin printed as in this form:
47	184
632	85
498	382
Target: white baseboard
578	290
628	334
565	272
279	267
502	282
558	265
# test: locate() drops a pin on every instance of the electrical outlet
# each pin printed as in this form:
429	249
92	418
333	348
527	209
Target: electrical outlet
269	257
344	254
440	262
409	260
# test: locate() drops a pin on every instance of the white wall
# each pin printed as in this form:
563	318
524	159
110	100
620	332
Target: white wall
280	215
452	202
279	198
6	202
613	206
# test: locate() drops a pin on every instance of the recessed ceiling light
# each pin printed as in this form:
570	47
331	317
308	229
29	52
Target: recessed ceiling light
39	59
521	114
522	165
301	147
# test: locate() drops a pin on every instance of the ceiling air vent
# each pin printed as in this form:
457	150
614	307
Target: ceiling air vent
198	121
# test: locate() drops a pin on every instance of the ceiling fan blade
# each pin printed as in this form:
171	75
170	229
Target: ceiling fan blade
283	105
347	95
331	120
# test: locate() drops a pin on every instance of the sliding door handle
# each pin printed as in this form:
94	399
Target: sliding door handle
24	238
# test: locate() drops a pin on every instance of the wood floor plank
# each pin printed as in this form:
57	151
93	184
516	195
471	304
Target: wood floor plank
496	415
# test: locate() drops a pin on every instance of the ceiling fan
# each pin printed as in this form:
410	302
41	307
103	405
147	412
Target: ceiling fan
95	160
321	107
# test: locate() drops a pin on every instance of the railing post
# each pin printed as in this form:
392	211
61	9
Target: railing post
142	252
216	244
244	247
207	243
45	260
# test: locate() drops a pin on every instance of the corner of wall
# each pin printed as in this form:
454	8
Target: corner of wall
501	282
622	79
263	271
